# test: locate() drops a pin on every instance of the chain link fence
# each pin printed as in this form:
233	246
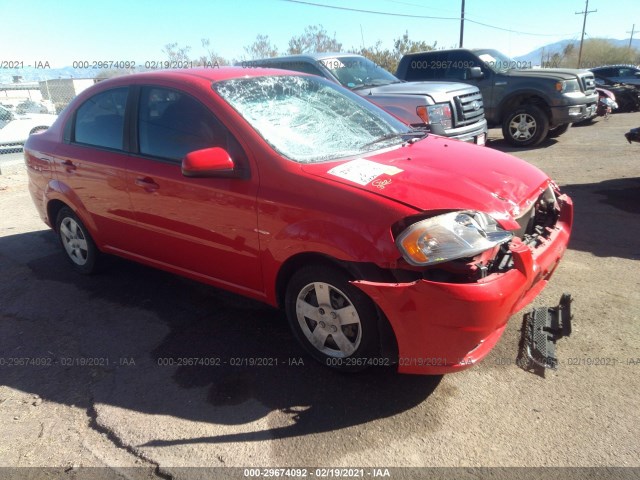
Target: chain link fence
48	96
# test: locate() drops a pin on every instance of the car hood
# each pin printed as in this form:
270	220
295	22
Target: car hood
35	116
552	73
442	174
417	88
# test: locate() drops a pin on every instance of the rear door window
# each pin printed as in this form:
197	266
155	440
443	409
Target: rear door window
100	120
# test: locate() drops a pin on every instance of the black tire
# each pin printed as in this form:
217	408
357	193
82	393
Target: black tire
525	126
559	130
77	244
328	321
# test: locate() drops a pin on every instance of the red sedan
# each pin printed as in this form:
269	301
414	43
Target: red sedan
384	245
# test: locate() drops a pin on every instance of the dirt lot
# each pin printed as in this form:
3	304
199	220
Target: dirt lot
102	396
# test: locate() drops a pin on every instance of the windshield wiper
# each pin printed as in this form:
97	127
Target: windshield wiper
389	136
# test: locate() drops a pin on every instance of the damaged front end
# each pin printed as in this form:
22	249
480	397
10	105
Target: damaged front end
448	313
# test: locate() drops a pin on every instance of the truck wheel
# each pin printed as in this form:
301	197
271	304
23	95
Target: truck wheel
525	126
333	320
557	131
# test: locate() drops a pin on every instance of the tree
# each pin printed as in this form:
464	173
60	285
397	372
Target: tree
314	39
175	53
377	55
402	46
389	59
595	52
210	58
261	48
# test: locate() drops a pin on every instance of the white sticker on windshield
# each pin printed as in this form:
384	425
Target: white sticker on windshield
362	171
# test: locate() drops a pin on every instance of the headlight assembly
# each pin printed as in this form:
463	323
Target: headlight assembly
438	114
450	236
567	86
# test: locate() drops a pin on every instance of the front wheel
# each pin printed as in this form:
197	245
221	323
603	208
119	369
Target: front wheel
333	320
77	243
526	126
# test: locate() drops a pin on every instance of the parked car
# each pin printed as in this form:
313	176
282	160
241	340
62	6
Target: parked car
617	74
15	128
633	135
529	104
449	109
31	106
382	244
627	95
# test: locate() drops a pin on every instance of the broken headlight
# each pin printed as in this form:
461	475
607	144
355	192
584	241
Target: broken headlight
450	236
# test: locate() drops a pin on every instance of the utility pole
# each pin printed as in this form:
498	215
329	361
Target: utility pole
461	24
631	32
584	24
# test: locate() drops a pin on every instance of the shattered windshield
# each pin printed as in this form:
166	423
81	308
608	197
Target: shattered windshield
310	119
357	72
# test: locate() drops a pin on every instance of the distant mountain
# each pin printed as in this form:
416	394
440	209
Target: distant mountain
535	56
32	74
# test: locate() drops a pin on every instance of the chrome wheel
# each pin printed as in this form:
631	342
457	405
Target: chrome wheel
526	125
329	320
522	127
74	241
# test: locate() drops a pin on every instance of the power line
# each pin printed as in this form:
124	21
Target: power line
369	11
404	15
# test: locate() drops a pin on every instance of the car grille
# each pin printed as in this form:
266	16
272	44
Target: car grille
469	109
588	84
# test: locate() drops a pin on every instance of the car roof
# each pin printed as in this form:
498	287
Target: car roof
615	66
208	74
305	56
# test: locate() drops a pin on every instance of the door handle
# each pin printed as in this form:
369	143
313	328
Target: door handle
147	183
69	166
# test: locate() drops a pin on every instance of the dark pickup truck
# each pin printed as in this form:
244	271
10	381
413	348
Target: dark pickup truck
448	109
530	104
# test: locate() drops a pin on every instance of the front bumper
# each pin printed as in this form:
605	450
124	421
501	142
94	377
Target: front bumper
572	114
474	133
447	327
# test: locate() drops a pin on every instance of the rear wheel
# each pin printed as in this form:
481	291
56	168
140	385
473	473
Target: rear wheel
333	320
77	243
525	126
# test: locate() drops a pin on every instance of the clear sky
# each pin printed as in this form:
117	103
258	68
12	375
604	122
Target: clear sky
63	31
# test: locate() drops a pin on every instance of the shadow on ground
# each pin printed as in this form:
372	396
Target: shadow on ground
162	322
502	145
606	219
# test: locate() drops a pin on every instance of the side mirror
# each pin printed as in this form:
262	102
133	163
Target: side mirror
208	162
474	72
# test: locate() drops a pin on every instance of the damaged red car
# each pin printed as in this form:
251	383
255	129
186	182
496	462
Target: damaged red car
383	244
